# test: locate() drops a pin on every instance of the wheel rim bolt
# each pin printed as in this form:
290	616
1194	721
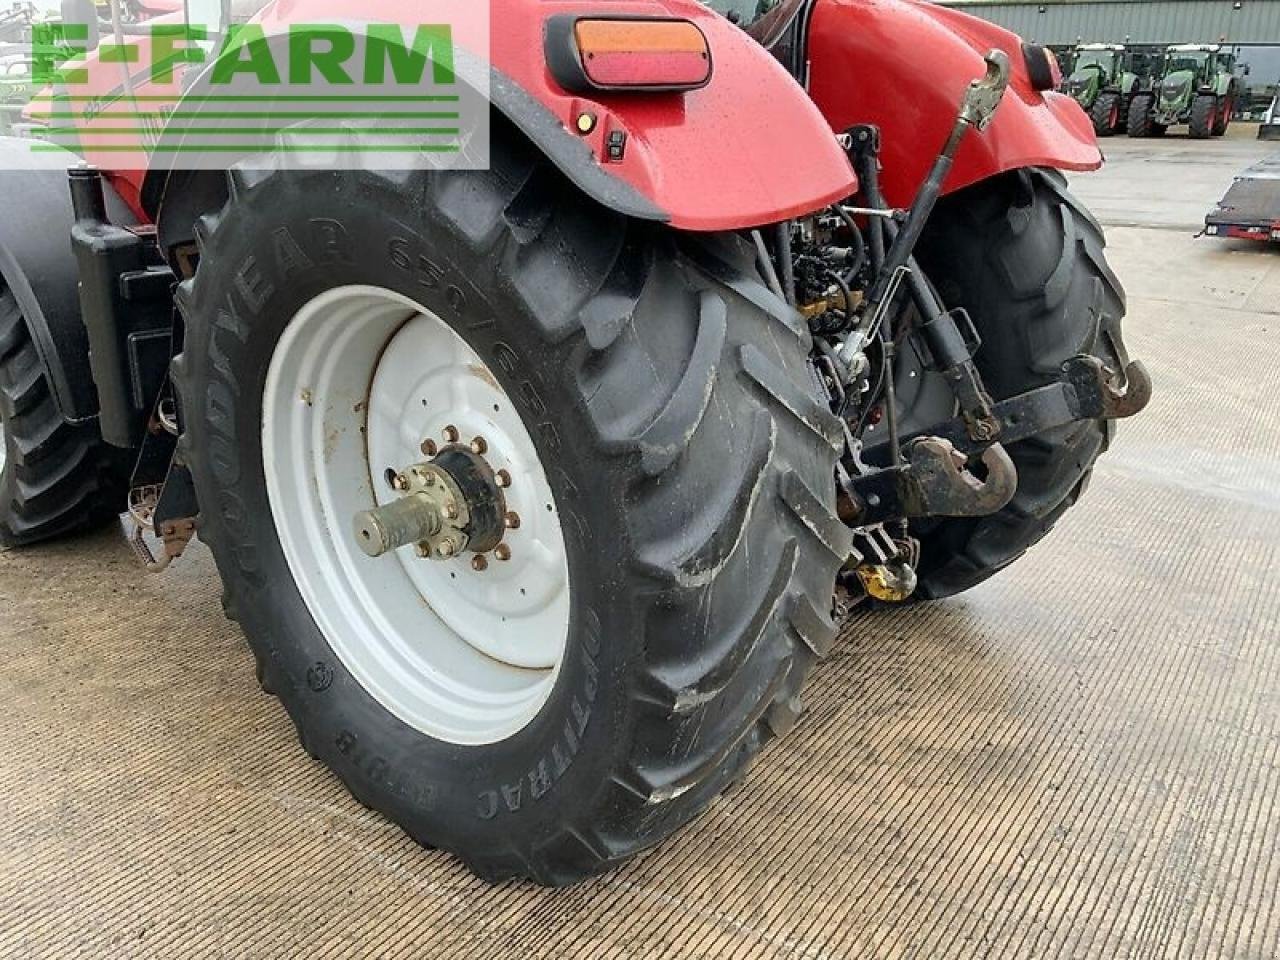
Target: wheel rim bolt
401	482
502	552
479	446
479	563
451	434
511	520
429	448
502	478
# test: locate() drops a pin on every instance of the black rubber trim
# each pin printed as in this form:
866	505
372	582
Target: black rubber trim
1038	69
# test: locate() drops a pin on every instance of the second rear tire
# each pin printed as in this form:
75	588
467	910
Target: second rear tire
56	478
1026	261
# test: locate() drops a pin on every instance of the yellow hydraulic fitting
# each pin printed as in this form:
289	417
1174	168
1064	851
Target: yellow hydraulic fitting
889	583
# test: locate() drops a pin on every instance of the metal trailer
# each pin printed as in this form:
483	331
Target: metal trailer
1269	129
1251	208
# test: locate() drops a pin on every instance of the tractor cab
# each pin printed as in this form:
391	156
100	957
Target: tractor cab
1097	67
1200	64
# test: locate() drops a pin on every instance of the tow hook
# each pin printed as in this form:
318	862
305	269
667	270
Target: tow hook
449	504
933	481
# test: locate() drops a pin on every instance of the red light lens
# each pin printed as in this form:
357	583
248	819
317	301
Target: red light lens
648	54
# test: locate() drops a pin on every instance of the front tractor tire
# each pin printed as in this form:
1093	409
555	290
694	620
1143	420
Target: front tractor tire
1021	255
1141	119
1222	119
56	478
651	405
1204	115
1106	114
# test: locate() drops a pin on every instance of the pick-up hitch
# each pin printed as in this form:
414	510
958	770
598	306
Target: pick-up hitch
932	481
1086	391
935	480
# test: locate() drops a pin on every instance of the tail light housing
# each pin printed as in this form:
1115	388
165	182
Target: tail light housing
641	54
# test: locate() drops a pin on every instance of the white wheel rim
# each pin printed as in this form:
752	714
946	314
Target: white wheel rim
360	378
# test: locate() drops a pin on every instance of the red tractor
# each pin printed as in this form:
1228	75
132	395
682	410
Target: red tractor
539	489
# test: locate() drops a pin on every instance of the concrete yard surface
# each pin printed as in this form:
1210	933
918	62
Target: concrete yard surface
1081	758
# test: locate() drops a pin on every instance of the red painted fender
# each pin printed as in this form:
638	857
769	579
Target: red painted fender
904	66
749	148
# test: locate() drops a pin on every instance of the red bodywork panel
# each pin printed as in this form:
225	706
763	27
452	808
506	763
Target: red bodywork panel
747	149
751	148
904	66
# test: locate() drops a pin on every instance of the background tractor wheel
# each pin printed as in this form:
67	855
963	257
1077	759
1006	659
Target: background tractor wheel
1026	260
1141	118
1222	119
1106	114
55	478
1204	114
670	574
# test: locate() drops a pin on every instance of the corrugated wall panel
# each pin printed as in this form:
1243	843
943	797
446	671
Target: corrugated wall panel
1156	21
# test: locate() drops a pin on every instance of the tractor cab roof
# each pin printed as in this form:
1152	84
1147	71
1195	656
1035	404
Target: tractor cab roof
1115	47
1193	48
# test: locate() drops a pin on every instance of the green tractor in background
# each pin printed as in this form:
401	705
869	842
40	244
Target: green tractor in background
1103	82
1196	86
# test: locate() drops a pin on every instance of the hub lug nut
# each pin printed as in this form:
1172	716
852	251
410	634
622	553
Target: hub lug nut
502	552
401	482
512	520
446	549
502	478
429	448
451	434
423	550
479	563
451	510
478	445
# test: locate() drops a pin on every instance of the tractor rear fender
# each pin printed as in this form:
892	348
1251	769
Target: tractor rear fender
37	265
749	148
905	64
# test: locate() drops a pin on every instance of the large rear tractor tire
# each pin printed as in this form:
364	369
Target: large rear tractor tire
1204	114
1026	261
671	542
55	478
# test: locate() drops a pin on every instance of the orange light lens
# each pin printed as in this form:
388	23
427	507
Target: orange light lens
656	54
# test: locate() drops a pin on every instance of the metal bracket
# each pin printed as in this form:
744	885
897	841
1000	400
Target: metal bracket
984	94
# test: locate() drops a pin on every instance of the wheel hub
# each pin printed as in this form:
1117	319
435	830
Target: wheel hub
451	503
